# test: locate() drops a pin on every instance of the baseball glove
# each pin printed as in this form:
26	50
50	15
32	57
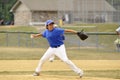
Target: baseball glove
82	35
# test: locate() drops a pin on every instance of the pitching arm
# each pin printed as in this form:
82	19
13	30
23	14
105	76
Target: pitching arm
72	31
80	34
35	35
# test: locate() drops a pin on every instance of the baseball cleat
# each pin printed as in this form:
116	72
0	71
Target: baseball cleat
36	74
51	60
81	74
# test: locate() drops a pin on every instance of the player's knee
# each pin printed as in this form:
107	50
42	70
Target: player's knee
66	61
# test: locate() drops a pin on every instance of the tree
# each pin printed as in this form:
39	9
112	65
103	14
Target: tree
5	6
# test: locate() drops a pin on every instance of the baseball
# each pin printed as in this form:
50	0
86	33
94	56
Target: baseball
31	36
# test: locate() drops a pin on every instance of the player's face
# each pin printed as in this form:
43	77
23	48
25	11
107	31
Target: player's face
50	27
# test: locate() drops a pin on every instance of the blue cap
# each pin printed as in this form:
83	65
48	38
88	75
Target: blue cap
49	22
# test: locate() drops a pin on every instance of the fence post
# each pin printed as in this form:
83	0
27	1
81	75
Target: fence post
32	42
97	41
26	41
6	39
18	39
79	45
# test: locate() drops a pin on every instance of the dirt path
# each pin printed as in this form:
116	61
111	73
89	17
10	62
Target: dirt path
30	65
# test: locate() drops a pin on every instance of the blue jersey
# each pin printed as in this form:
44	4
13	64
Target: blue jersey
54	37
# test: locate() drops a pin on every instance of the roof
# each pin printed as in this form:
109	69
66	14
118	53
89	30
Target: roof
65	5
46	5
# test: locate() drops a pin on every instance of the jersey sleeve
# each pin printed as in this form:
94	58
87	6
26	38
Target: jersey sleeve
61	31
44	34
118	29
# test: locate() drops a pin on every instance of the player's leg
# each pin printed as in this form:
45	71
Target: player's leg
61	53
45	57
51	59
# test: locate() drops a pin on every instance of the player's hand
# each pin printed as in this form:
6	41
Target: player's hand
35	35
32	36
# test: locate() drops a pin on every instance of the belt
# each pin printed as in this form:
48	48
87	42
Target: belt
56	46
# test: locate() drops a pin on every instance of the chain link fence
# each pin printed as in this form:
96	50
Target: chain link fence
89	11
97	41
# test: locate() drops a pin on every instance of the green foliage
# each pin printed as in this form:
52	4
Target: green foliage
5	6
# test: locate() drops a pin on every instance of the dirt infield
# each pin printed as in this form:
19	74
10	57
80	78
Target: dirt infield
57	65
30	65
47	77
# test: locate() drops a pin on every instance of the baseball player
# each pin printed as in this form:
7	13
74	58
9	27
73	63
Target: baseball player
117	41
118	31
55	37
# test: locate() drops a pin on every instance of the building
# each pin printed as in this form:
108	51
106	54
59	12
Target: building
93	11
27	12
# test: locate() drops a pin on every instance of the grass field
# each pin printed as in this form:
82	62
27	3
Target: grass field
19	63
74	54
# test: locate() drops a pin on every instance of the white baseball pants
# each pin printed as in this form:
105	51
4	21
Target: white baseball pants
60	52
